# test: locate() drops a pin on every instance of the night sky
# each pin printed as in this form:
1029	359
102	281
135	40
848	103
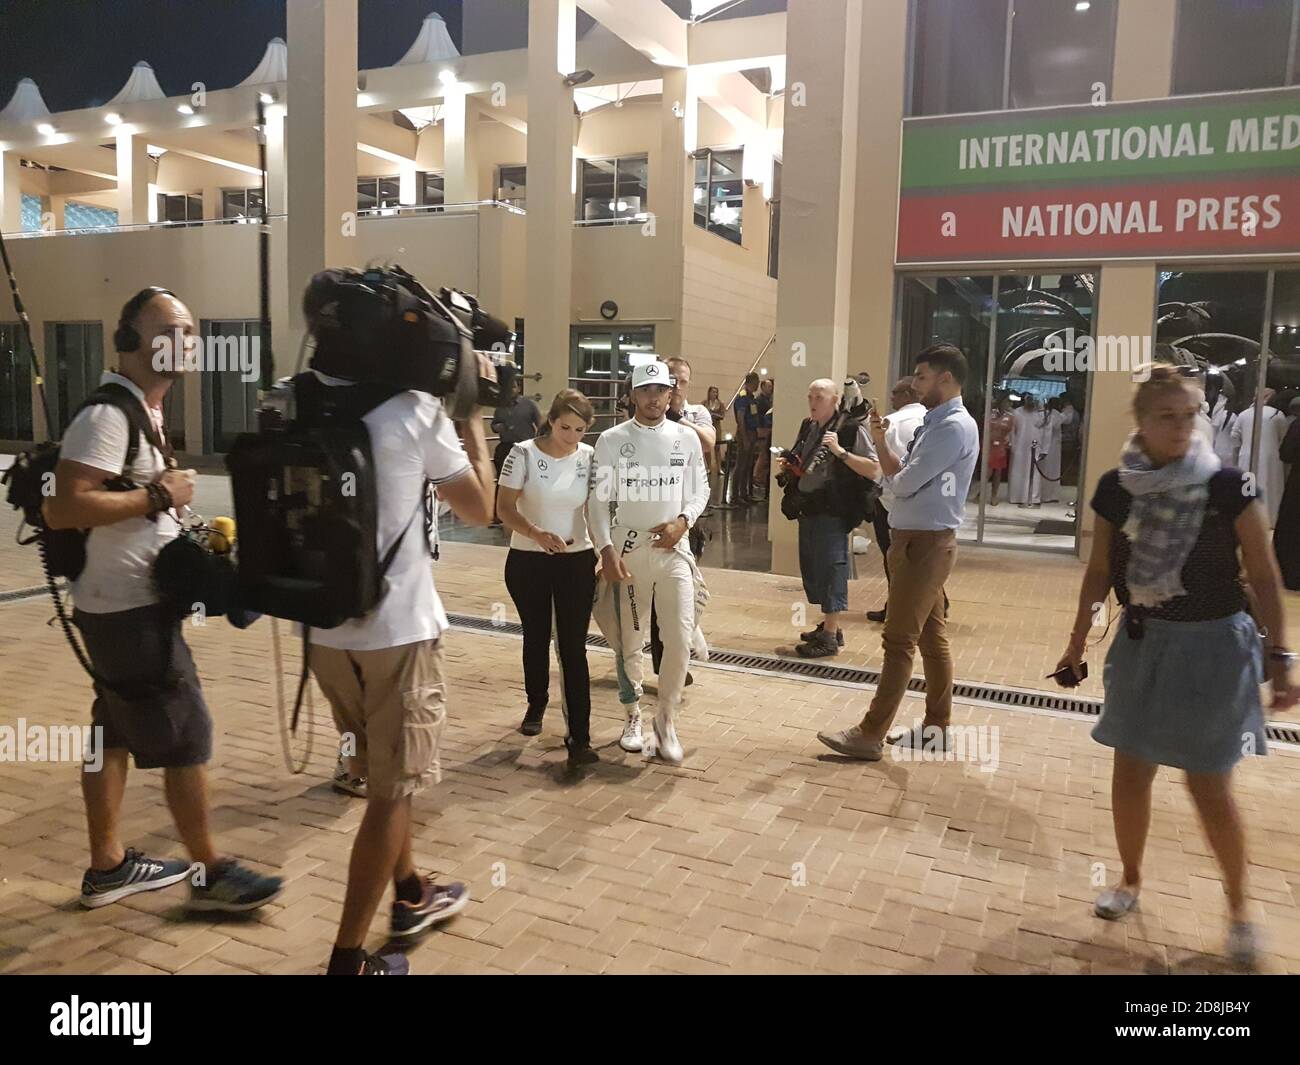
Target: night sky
80	52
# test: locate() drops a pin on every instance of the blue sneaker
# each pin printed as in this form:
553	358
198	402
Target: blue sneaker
231	888
136	874
439	902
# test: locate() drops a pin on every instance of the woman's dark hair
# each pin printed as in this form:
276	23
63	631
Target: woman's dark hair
945	357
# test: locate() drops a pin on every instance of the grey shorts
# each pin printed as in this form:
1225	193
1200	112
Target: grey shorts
159	716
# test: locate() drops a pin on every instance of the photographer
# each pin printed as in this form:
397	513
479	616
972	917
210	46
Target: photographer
150	705
551	566
826	478
383	673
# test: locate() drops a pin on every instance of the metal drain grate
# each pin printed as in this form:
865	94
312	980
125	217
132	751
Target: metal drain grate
856	677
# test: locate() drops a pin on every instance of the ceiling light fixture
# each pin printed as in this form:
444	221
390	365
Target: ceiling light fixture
185	109
113	118
46	130
447	77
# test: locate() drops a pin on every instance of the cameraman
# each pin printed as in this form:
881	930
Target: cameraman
150	706
383	673
831	496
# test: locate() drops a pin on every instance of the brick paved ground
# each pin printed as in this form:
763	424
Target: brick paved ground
762	853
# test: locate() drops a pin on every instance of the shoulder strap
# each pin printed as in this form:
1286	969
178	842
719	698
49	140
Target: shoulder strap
115	395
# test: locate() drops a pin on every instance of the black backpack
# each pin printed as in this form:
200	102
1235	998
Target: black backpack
31	477
307	509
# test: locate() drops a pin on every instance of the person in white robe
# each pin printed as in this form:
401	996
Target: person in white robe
1049	465
1027	442
1270	475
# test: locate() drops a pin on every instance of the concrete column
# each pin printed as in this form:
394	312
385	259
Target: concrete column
211	201
321	139
669	198
276	168
58	210
460	147
132	179
1126	308
551	55
818	210
879	145
1144	49
407	185
11	194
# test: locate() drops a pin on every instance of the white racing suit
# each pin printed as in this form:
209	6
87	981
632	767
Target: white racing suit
645	476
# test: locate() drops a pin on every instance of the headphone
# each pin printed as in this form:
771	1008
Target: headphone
125	337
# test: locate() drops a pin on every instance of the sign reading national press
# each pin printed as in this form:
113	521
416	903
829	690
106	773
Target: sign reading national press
1191	176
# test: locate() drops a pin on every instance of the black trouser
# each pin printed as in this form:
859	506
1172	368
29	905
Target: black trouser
880	522
561	587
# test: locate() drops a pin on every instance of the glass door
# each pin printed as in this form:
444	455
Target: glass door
1026	395
1032	430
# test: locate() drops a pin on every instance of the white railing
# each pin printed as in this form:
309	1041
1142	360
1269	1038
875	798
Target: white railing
403	210
408	209
134	228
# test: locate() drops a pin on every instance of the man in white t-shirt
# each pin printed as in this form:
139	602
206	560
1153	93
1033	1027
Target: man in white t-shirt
906	415
650	487
383	673
148	704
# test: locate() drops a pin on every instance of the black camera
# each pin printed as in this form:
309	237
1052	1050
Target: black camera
382	326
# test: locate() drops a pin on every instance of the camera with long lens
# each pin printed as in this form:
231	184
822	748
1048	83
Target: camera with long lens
381	326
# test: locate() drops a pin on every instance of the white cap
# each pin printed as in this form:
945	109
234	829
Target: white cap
653	373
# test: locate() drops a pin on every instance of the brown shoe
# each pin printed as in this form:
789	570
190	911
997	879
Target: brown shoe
852	743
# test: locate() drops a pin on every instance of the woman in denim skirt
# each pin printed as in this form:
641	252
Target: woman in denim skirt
1183	674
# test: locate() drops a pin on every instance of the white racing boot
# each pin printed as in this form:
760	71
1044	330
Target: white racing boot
631	740
666	744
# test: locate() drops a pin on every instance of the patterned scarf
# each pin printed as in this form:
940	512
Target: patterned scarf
1165	517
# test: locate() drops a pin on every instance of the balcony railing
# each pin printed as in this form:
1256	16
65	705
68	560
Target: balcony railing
403	210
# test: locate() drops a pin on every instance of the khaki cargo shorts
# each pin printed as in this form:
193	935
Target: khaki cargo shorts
390	707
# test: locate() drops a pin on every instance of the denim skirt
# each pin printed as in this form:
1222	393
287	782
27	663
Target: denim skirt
1185	695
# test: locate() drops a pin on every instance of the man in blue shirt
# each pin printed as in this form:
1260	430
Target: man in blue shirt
929	485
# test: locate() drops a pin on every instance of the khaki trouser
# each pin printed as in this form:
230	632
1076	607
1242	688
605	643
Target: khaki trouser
919	564
392	705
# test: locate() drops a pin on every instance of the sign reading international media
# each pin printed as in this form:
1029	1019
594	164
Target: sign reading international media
1188	176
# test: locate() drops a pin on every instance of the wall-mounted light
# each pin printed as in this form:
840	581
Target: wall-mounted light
185	109
1082	5
45	129
113	118
578	77
447	77
266	97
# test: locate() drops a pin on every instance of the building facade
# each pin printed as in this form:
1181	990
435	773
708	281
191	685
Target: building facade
810	189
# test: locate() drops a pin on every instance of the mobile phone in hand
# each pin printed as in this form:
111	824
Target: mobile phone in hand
1066	678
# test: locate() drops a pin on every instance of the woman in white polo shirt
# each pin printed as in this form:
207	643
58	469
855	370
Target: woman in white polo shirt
551	567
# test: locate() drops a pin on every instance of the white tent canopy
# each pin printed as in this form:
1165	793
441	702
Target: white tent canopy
433	45
141	85
26	104
274	66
